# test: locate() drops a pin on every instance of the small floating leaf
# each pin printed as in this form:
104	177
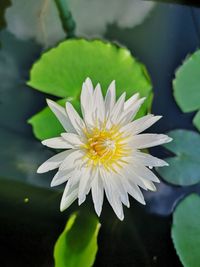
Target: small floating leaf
187	86
184	168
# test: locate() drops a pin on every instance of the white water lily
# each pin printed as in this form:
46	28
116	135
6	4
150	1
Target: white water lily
102	149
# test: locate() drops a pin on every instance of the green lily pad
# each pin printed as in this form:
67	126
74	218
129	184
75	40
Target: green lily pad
77	245
184	167
186	85
62	70
196	120
186	231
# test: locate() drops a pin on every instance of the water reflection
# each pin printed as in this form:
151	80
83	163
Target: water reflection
93	17
38	20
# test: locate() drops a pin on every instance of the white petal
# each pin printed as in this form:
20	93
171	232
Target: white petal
70	193
112	195
89	84
120	187
129	114
130	102
136	193
57	142
133	178
75	119
140	181
149	140
72	160
61	115
110	97
54	162
87	100
144	172
118	109
149	184
61	177
99	105
141	124
84	185
72	138
134	190
118	184
97	193
148	160
68	200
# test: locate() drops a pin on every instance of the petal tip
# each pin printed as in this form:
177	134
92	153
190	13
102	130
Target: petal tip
40	169
52	184
49	101
142	99
98	211
43	142
81	200
62	206
121	217
167	139
165	164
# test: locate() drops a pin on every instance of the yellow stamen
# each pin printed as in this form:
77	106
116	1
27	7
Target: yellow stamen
106	147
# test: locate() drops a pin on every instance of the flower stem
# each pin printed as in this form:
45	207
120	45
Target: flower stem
66	17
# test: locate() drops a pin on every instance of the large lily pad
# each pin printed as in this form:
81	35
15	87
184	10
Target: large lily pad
187	85
77	245
62	70
184	168
186	231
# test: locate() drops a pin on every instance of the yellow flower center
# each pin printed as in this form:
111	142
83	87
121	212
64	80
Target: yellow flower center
106	147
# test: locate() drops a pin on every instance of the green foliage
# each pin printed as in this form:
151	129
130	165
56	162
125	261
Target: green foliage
186	86
62	70
184	167
186	231
77	245
196	120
